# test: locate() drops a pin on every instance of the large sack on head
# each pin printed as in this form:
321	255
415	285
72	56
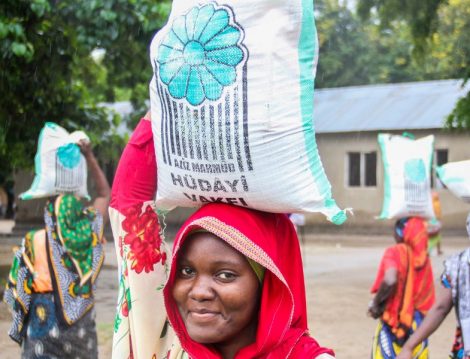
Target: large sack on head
60	167
232	107
407	169
456	177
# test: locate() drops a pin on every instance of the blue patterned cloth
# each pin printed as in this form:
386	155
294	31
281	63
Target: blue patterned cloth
387	346
48	338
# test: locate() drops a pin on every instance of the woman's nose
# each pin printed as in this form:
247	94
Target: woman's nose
202	289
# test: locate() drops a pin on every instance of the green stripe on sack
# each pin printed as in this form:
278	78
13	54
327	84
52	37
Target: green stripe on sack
37	165
382	138
441	173
431	158
307	54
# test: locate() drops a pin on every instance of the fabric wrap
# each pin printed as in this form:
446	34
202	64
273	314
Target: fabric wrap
282	322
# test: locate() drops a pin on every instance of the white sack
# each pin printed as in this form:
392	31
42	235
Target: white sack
232	107
60	167
456	177
407	169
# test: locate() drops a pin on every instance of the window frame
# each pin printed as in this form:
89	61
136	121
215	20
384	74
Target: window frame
435	182
362	169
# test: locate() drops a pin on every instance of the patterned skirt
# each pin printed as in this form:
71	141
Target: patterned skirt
46	337
387	346
458	349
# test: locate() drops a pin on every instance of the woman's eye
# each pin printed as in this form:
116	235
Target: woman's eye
226	276
186	271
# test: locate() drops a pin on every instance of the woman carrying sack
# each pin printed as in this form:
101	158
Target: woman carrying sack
235	288
51	282
404	290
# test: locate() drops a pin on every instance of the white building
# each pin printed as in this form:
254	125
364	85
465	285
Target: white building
347	122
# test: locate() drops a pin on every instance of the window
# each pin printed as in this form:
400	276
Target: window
441	157
371	169
354	169
362	169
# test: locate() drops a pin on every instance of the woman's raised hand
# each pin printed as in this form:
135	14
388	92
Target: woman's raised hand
85	147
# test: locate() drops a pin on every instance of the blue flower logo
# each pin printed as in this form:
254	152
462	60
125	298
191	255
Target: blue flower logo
198	57
69	155
415	170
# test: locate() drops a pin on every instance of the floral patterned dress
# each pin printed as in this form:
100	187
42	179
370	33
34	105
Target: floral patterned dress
139	330
456	277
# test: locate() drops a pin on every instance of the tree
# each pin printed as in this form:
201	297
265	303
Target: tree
355	52
48	72
345	52
440	29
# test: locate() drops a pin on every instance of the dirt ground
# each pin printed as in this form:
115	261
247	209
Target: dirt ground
339	271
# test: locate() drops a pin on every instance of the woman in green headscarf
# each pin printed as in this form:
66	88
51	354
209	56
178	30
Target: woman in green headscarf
50	286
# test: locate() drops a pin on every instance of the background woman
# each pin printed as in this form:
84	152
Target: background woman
404	290
454	292
50	286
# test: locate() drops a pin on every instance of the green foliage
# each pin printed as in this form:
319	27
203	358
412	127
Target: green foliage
440	31
344	48
421	15
48	74
355	52
459	119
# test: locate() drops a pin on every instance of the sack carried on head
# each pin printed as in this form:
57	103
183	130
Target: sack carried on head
407	169
60	167
232	107
456	177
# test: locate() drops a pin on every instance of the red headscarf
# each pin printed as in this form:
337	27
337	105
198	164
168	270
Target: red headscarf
415	287
270	240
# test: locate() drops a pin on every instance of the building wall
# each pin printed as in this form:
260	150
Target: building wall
27	211
367	201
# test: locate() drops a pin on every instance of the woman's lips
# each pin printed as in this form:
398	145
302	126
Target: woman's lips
202	316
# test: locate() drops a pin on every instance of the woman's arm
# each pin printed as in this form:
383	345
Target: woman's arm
386	289
101	201
132	207
431	322
135	180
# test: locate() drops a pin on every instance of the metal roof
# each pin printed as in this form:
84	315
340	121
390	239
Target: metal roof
414	105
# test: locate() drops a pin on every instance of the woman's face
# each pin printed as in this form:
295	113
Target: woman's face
216	291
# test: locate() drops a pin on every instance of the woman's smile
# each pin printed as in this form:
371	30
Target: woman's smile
216	290
203	316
